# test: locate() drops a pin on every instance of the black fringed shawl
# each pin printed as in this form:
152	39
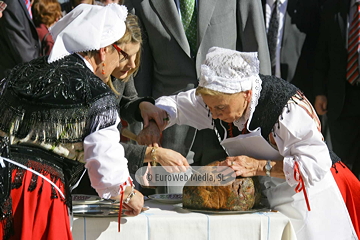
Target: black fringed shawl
60	102
274	95
57	102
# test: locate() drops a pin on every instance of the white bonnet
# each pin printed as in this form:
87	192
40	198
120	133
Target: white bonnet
87	27
229	71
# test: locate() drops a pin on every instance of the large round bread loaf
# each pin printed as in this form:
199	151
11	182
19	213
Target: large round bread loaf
241	195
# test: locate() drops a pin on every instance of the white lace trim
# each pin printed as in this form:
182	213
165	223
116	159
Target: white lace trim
229	71
256	89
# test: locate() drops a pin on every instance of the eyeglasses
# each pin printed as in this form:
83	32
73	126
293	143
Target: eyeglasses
126	56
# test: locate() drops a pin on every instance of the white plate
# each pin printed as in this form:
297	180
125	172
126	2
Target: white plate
167	197
84	199
221	211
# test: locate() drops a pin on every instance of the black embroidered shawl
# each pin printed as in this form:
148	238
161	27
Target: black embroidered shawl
58	102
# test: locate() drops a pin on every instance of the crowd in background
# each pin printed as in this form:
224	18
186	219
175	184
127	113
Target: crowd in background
312	44
294	50
295	53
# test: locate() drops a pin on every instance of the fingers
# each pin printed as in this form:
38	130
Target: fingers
132	212
185	163
320	104
172	169
162	120
229	161
145	121
150	135
135	205
171	160
150	111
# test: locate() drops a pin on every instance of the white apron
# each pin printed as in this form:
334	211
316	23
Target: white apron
328	218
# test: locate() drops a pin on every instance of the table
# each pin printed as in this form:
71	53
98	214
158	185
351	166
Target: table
169	222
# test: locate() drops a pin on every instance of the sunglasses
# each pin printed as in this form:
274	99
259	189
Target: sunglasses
126	56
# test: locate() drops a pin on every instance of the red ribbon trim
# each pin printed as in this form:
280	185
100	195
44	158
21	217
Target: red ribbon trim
301	186
122	191
121	207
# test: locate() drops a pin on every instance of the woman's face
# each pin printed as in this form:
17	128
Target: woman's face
111	61
228	108
127	62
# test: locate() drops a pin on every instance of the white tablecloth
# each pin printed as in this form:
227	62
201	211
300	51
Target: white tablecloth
168	222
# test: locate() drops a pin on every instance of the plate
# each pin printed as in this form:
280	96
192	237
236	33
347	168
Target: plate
167	198
99	210
84	199
221	211
95	210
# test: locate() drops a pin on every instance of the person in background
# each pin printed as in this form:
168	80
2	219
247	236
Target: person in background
45	14
337	81
293	29
176	41
288	152
19	40
69	5
59	116
122	83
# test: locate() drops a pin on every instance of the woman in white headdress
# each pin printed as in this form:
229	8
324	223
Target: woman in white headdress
122	83
286	147
57	115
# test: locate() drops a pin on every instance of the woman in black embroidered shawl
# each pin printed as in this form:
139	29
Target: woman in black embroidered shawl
58	114
122	84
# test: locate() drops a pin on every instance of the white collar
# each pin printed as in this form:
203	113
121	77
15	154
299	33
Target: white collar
87	63
271	2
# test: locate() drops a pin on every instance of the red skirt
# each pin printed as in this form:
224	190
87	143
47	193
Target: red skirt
349	187
36	214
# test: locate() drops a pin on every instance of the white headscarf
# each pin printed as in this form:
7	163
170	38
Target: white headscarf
87	27
230	71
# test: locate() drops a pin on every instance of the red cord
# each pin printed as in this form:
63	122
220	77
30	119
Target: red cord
301	186
244	131
230	130
121	207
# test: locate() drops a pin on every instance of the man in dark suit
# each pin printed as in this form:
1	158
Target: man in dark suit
19	40
334	94
297	39
170	65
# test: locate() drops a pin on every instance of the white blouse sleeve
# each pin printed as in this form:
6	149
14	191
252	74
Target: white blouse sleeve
186	108
298	139
106	162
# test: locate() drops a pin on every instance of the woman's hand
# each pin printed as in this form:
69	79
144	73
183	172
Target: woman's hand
150	111
135	204
150	135
243	165
171	161
248	167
